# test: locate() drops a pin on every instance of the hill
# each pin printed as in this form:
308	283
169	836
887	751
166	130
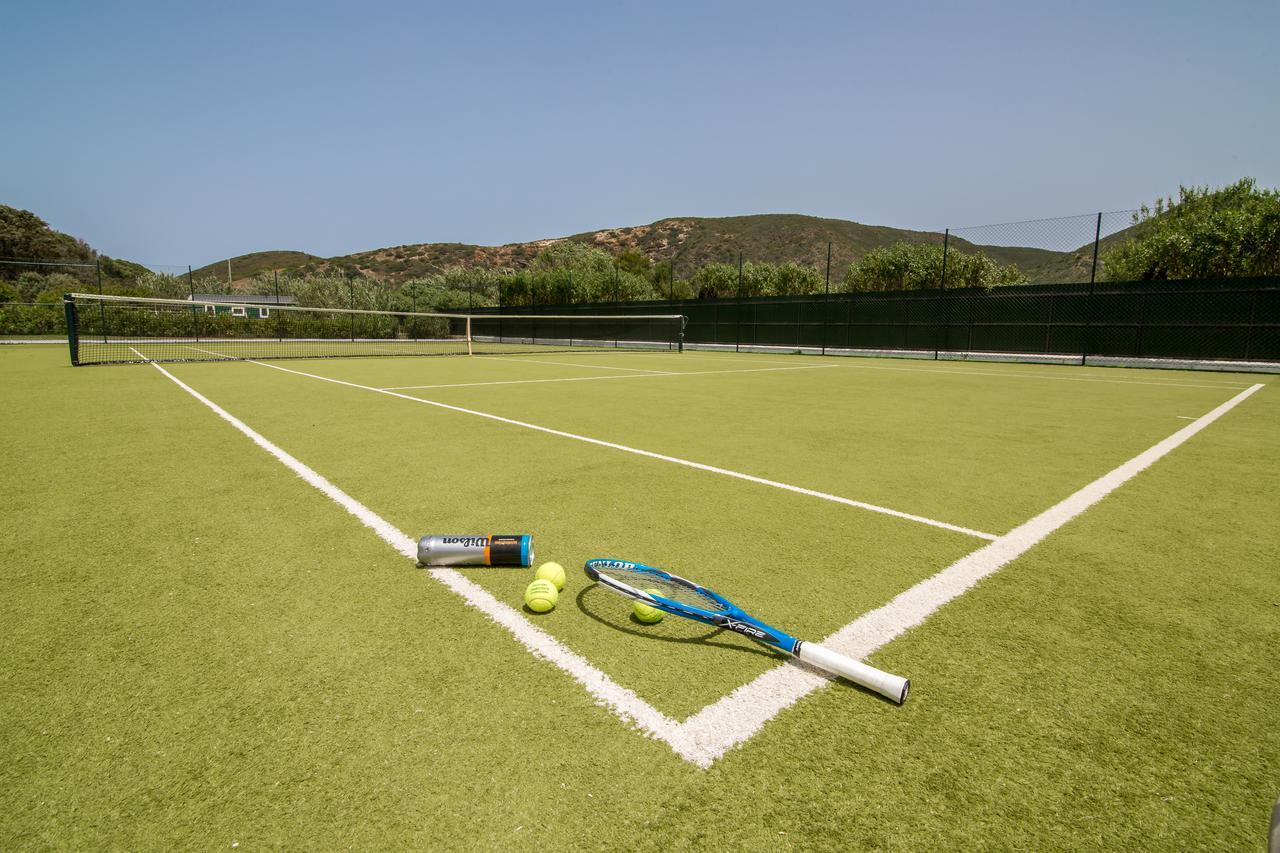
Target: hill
690	242
26	237
245	267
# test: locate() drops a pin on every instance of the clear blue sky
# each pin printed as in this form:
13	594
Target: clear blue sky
175	133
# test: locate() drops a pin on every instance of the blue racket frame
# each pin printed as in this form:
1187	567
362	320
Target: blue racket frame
732	618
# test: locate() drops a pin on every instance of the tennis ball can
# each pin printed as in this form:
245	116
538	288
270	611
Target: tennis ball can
496	549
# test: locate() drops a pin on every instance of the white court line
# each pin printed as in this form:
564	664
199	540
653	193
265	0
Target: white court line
567	364
735	718
711	732
222	355
600	378
648	453
622	702
850	363
701	355
1010	375
1185	417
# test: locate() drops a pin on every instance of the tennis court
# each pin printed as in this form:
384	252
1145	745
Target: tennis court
217	627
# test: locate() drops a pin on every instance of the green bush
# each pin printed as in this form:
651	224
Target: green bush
1233	231
27	318
918	266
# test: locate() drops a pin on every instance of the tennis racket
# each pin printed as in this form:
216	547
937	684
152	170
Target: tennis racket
680	597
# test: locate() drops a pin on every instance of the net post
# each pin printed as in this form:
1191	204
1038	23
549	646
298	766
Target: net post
73	328
275	274
102	314
469	351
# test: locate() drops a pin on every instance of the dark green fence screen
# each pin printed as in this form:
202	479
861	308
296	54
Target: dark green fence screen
1228	319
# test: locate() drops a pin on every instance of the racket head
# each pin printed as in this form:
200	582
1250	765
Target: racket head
671	593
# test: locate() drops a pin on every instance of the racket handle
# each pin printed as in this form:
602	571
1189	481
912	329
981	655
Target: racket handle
886	684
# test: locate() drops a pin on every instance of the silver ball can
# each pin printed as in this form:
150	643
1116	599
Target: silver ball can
498	549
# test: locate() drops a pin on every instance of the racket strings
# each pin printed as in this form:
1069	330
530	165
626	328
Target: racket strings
666	588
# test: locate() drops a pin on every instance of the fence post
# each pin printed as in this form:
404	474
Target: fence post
737	311
968	346
1089	306
848	321
826	300
1253	319
351	291
942	292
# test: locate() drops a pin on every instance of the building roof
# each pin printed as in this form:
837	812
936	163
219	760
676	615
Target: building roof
243	299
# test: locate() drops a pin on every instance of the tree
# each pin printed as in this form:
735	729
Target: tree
918	266
1233	231
633	261
792	279
715	281
25	236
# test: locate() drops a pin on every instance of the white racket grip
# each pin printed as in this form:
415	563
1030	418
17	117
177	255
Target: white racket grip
886	684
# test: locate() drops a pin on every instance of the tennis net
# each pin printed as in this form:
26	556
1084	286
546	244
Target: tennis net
126	329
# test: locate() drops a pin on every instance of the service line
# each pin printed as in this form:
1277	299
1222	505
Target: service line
646	375
540	360
932	522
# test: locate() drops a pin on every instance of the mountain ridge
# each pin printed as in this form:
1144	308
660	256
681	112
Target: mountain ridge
686	241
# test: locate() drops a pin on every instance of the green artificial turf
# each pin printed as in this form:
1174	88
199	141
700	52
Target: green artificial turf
200	649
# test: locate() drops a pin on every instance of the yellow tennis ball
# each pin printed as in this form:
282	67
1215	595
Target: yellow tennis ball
540	596
553	572
644	613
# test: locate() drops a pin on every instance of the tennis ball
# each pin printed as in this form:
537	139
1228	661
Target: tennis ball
540	596
553	572
644	613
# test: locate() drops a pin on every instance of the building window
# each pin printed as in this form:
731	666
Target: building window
238	311
264	313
